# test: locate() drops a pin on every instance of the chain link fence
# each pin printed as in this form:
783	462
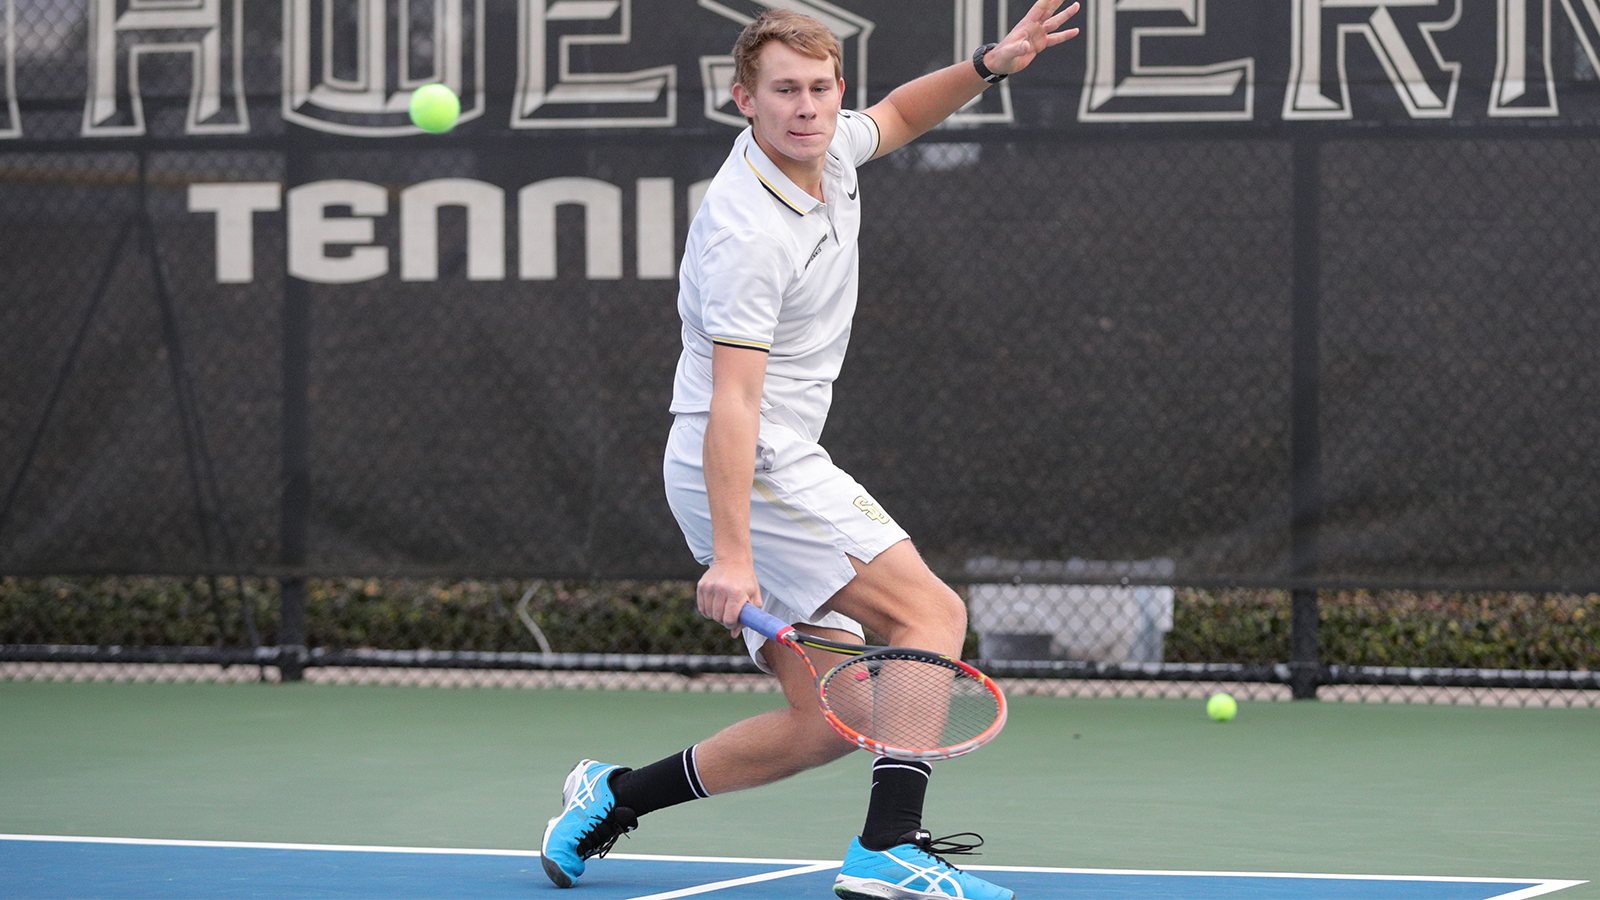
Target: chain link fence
1240	398
1060	640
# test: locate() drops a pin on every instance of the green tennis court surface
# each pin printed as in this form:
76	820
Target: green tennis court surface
1127	785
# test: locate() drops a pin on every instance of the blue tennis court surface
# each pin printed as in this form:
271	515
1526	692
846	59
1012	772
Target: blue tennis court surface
35	867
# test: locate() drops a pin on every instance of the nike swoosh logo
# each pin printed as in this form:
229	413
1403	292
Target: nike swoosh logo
854	191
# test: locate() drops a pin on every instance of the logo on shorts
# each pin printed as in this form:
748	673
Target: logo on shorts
872	511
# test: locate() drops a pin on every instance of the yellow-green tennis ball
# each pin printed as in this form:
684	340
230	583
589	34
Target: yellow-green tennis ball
1222	707
435	108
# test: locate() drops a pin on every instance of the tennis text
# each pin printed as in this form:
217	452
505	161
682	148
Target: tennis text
333	226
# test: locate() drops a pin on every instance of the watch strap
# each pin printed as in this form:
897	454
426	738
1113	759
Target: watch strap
983	70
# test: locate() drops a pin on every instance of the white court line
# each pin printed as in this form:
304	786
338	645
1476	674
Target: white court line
360	848
255	845
1538	886
1544	888
737	882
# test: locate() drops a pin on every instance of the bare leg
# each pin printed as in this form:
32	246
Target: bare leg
775	745
903	603
899	599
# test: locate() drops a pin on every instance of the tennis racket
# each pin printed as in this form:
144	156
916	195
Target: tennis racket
896	701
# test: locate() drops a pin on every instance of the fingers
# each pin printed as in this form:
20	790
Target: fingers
1056	20
1038	28
1059	19
1056	37
1036	32
722	609
1041	12
723	591
720	605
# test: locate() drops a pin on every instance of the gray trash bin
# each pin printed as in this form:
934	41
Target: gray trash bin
1050	617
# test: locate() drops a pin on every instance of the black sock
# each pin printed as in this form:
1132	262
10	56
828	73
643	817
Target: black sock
666	782
895	807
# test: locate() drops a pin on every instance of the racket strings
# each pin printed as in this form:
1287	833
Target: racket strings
911	701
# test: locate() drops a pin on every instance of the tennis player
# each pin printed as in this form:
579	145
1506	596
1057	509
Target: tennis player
767	291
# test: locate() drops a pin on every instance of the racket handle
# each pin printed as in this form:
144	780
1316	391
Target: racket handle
752	616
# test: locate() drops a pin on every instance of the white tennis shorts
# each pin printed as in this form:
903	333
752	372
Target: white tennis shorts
807	518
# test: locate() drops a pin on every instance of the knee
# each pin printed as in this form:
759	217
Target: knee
954	610
952	614
939	609
903	602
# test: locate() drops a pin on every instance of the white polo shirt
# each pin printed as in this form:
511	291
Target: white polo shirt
770	267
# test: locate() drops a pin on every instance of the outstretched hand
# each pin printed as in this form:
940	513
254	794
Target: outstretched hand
1036	31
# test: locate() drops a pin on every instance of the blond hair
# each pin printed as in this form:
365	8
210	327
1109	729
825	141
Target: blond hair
800	33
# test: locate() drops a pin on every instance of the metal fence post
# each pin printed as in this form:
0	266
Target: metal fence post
295	502
1305	416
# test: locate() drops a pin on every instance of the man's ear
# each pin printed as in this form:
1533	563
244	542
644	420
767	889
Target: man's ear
743	99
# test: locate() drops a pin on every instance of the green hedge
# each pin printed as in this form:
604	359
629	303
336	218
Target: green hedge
1513	631
1394	628
137	611
575	617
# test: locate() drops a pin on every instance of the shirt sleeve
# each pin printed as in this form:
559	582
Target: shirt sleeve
742	289
856	137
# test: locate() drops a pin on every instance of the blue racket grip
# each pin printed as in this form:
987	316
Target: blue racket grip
752	616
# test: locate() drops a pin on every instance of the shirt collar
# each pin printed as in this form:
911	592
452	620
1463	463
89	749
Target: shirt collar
773	179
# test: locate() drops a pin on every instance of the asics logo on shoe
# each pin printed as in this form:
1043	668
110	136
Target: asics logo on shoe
912	870
589	824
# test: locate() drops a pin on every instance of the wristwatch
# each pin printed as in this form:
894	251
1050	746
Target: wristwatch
983	70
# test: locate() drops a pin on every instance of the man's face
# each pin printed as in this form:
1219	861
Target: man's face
795	104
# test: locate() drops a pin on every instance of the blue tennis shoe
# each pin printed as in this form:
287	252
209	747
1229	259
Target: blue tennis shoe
912	870
589	824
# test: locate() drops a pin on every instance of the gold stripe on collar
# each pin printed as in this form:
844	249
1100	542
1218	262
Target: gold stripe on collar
768	185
